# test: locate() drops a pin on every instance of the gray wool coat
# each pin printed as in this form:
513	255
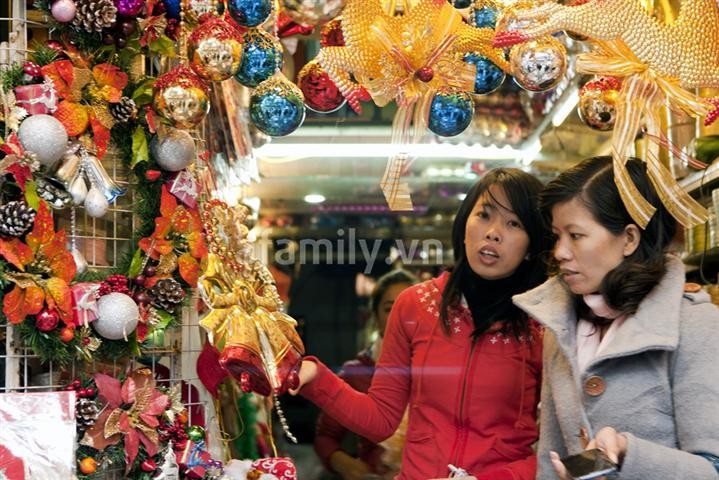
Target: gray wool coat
660	376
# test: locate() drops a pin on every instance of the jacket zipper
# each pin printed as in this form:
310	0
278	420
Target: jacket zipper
460	441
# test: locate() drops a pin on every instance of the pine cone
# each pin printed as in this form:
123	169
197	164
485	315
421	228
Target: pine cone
86	413
94	15
167	294
16	218
123	111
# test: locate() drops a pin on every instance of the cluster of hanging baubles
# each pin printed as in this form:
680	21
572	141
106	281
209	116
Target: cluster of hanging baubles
217	51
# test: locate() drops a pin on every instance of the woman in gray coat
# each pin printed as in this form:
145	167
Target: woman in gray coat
630	353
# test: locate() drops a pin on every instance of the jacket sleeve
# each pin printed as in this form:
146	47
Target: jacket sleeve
524	469
550	436
329	432
695	390
374	415
328	438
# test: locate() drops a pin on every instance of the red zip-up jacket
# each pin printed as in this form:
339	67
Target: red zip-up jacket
471	404
330	433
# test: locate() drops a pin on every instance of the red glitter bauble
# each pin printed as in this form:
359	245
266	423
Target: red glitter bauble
321	93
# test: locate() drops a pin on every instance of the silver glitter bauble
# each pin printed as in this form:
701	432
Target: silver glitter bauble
538	65
312	12
117	316
96	204
174	151
45	136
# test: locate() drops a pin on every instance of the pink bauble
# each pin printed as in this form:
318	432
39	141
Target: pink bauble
63	10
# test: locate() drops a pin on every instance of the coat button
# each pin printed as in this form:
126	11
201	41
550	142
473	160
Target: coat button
594	386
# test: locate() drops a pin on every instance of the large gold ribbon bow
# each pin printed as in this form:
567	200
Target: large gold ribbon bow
642	96
422	57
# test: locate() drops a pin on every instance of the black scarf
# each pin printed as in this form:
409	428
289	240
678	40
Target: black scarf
491	300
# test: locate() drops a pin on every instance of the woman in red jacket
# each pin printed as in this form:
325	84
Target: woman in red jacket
358	374
457	352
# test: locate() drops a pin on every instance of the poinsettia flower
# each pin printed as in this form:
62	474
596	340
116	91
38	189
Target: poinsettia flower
131	414
177	220
12	163
45	267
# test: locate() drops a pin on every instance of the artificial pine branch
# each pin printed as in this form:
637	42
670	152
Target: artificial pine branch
43	55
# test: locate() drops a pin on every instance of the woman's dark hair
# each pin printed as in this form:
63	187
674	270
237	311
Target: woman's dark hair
384	282
592	181
522	190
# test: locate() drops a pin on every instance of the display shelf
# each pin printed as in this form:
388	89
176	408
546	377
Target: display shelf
711	257
705	178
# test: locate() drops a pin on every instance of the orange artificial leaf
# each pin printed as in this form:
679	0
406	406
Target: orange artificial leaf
43	230
16	252
189	269
58	292
62	263
62	75
163	226
198	247
110	75
20	303
168	203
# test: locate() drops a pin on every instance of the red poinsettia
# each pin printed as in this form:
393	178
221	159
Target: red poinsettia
12	163
131	412
177	222
45	267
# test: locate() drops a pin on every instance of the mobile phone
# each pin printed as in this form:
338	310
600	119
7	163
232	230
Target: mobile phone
590	464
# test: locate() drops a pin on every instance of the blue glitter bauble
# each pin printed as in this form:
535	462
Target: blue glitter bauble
488	77
450	113
483	17
277	107
460	3
250	13
172	8
261	58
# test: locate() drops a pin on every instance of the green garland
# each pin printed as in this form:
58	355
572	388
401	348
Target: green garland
48	347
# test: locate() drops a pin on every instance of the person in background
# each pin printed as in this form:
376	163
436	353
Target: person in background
358	374
456	352
629	350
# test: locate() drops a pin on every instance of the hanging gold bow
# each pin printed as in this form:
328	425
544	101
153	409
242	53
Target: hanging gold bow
658	64
407	59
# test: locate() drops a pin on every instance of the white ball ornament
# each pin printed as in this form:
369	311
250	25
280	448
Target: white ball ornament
95	203
117	316
174	151
45	136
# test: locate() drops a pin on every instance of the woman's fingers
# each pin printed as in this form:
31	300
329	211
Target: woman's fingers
559	466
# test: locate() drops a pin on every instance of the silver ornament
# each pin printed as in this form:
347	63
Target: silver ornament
117	316
78	190
174	151
45	136
312	12
96	204
538	65
80	262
